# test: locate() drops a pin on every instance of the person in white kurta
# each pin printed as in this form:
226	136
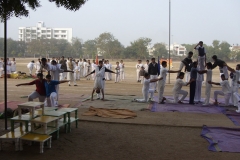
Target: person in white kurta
70	75
177	90
117	70
226	90
122	67
30	67
162	83
85	69
146	89
208	78
235	85
38	66
81	67
146	66
138	67
13	65
77	72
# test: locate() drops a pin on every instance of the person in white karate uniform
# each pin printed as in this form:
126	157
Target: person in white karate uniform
51	94
13	65
138	67
77	72
162	83
30	67
84	67
146	89
70	75
99	82
226	90
117	71
81	67
234	84
146	66
208	78
122	67
177	90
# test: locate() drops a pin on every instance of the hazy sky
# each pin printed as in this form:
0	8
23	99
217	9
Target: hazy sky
128	20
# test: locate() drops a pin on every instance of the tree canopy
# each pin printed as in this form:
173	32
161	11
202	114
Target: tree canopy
18	8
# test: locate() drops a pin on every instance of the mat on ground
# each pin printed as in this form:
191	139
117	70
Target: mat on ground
171	107
110	113
222	139
233	116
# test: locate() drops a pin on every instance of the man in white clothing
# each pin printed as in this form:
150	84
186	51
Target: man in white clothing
146	66
13	65
138	67
226	90
70	76
177	90
93	66
146	89
30	67
117	71
122	67
38	66
235	85
162	83
81	67
154	72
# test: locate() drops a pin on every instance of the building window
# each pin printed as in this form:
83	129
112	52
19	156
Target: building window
48	35
43	31
55	35
63	31
48	31
20	30
63	36
56	31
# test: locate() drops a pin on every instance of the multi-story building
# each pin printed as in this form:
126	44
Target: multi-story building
40	31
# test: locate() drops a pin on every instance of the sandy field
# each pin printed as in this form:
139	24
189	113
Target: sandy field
149	136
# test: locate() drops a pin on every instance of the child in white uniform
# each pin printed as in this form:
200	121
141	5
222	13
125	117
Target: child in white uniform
226	90
117	70
138	67
146	88
122	75
177	89
13	65
162	83
30	67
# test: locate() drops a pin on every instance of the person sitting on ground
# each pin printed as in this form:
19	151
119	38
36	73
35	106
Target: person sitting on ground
177	89
51	93
40	91
146	89
226	90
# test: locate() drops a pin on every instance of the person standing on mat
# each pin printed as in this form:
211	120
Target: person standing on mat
162	83
40	91
154	73
201	55
138	68
226	90
193	77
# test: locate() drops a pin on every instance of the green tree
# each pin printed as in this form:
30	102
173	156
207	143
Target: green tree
140	47
19	8
77	47
160	50
90	48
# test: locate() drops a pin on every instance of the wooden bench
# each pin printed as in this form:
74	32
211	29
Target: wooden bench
70	119
36	138
13	135
24	118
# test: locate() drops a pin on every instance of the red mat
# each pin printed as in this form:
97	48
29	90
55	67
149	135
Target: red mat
10	104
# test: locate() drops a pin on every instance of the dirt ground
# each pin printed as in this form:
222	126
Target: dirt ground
146	137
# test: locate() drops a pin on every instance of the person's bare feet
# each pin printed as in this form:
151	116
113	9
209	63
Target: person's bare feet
215	103
180	102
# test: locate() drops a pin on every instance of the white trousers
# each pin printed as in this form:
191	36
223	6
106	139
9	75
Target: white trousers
122	75
234	90
226	96
145	95
207	93
76	75
176	96
30	70
35	95
71	78
138	77
63	76
201	63
110	76
237	96
198	91
161	86
153	85
225	71
142	79
51	101
117	77
187	76
81	72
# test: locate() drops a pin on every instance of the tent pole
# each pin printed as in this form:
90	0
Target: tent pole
5	71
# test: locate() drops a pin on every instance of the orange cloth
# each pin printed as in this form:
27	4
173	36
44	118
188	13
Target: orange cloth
110	113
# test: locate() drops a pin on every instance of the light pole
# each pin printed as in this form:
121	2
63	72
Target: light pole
169	40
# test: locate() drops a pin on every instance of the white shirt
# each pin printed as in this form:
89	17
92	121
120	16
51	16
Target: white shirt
93	66
236	76
13	66
30	65
138	66
38	66
117	69
225	87
80	64
146	84
209	75
163	73
55	71
146	67
178	85
121	65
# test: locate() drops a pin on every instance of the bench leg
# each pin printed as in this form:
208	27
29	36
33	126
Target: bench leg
26	125
41	147
76	123
50	143
0	145
20	146
16	144
12	125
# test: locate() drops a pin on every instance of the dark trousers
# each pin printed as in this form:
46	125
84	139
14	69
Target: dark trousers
192	91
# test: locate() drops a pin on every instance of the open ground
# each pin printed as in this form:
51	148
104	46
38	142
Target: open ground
148	136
